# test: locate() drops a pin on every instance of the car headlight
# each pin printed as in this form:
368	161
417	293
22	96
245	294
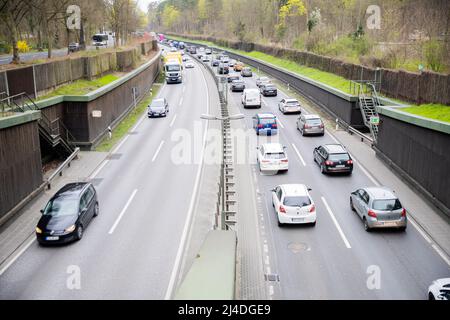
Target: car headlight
70	229
38	230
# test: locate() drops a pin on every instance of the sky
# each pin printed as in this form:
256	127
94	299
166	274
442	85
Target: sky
143	4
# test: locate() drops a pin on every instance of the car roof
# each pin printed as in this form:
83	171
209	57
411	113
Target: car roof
158	100
291	100
335	148
380	193
294	189
311	116
72	190
273	147
265	115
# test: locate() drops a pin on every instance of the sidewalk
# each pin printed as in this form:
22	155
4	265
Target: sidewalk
19	229
435	225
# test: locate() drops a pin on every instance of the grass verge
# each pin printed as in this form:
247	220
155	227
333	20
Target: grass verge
127	123
81	87
432	111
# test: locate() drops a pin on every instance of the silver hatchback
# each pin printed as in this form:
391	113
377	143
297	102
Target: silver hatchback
378	207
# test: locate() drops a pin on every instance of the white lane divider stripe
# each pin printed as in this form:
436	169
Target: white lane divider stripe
157	151
181	101
299	155
122	212
338	227
173	120
280	123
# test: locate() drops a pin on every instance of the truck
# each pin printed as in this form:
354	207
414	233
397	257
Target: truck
173	56
173	69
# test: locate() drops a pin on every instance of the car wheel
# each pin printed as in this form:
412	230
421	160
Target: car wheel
431	296
303	132
313	224
96	209
257	132
279	223
402	229
322	169
80	232
366	225
351	204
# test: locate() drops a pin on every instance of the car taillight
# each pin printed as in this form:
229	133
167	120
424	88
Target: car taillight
265	161
282	209
403	212
307	126
260	126
274	125
285	160
312	209
372	214
321	126
350	162
329	163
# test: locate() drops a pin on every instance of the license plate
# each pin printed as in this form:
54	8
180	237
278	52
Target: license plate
340	166
52	238
298	219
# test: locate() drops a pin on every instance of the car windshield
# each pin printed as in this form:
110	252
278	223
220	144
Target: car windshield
270	88
339	157
297	201
263	79
62	206
157	104
238	82
387	205
173	67
275	155
267	121
314	122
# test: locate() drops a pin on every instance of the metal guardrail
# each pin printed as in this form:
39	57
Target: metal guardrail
59	171
352	130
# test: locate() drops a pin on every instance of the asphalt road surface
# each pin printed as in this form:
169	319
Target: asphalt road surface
130	249
336	258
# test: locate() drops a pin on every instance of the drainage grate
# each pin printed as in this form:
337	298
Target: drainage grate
114	156
272	277
297	247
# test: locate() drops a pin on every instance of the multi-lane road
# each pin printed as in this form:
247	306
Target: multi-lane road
146	195
133	249
336	259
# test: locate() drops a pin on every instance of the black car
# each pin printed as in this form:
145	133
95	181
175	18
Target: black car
268	90
223	68
333	158
237	85
67	214
215	63
232	77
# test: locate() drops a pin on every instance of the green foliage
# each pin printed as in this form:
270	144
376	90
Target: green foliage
5	48
433	111
434	53
344	47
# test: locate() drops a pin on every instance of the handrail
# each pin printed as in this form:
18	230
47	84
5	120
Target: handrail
60	169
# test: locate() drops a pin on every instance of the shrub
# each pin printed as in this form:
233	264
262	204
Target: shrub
434	53
23	46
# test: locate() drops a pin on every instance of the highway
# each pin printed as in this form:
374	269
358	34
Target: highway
130	250
334	259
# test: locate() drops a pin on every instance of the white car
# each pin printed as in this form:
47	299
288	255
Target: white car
293	204
289	106
205	58
439	289
272	157
189	65
262	80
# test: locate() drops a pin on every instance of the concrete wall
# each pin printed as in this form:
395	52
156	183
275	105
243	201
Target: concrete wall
418	152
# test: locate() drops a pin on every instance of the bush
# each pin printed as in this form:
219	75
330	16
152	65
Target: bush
5	48
434	53
23	46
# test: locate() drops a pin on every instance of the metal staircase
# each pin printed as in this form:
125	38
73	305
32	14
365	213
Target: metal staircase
53	132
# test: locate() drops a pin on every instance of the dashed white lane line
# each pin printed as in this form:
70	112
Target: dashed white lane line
173	120
336	223
280	123
181	101
299	155
122	212
157	151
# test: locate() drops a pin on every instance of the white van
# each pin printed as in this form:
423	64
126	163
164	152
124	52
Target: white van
251	98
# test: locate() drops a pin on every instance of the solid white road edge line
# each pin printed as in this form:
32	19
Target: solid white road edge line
157	151
11	262
180	251
338	227
299	155
122	212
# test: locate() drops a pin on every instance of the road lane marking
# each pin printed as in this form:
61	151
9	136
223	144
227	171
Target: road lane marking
439	251
122	212
157	151
347	244
181	101
368	174
183	240
173	120
299	155
10	263
280	123
96	172
427	239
